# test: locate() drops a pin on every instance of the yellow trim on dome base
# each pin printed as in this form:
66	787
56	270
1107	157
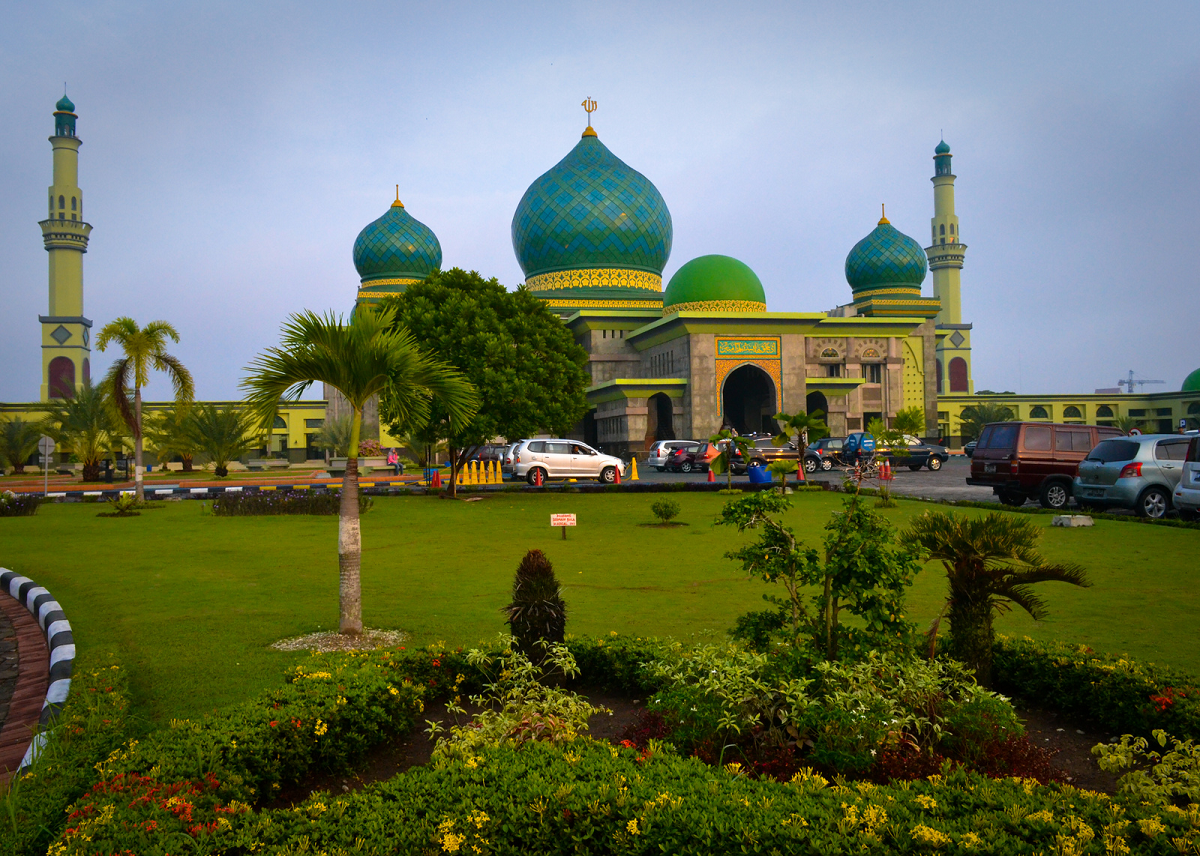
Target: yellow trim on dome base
595	277
398	281
601	304
716	306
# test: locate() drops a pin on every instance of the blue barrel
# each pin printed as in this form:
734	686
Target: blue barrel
758	475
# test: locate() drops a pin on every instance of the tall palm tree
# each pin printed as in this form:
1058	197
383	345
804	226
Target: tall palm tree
804	427
85	424
359	359
991	562
145	349
975	416
18	440
220	433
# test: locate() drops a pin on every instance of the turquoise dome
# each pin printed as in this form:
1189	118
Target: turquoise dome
64	105
714	284
886	260
397	248
942	148
1191	383
592	211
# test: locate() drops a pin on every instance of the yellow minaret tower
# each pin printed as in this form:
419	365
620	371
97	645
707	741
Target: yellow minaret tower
66	334
945	253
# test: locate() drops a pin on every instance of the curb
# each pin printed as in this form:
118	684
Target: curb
50	617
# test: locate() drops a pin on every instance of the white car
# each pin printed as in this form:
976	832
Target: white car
563	459
661	451
1186	498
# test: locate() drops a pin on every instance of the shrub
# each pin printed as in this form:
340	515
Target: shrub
369	449
242	504
537	613
665	509
18	505
124	505
1165	777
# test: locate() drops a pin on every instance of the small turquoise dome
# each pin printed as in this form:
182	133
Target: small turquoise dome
396	247
886	260
714	284
1192	382
942	148
64	105
592	210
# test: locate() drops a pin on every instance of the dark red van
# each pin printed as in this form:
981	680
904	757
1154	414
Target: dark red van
1033	460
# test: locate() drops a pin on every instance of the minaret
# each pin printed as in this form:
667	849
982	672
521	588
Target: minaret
66	334
945	253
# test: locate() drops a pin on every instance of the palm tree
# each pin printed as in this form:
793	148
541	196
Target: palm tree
168	434
145	349
991	562
728	442
335	435
975	416
85	424
360	359
221	434
18	440
804	426
1125	424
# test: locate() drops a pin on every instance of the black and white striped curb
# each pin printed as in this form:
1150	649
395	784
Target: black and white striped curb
50	617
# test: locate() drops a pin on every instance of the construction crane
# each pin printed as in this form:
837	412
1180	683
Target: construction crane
1129	383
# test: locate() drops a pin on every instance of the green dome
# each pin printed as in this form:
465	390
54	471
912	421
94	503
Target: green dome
1192	382
396	250
714	284
942	148
64	105
886	260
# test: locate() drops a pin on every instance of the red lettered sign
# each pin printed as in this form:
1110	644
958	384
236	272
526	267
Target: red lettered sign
562	519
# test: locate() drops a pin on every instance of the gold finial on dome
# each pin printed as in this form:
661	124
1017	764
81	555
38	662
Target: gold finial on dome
590	106
883	220
397	203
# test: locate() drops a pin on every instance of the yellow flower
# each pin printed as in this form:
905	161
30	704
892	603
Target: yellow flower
734	767
320	728
1042	816
393	691
970	840
1151	827
928	835
451	842
632	826
925	801
472	762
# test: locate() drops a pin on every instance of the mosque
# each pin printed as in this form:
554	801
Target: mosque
593	236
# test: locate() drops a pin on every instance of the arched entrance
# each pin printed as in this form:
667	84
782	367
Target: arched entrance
748	401
660	423
816	402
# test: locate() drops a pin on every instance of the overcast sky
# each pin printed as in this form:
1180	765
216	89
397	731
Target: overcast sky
233	151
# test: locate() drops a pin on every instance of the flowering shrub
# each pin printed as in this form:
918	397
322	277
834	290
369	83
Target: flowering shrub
1122	694
242	504
369	449
18	505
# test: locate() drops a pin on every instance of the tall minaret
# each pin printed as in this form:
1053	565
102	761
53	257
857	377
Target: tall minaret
946	252
66	334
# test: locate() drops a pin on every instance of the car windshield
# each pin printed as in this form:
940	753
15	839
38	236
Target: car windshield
1108	451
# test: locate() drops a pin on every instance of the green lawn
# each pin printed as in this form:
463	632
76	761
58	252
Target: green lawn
190	602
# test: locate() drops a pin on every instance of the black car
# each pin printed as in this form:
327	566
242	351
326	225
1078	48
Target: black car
916	454
970	448
823	454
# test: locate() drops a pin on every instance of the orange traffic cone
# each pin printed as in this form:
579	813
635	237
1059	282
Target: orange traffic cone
616	475
711	476
537	477
436	482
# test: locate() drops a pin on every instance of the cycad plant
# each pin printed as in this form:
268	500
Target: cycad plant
335	435
18	440
169	437
222	434
800	428
1126	424
974	417
729	443
991	563
537	613
85	424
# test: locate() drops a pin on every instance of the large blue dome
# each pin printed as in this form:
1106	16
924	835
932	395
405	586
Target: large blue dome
396	249
886	260
593	214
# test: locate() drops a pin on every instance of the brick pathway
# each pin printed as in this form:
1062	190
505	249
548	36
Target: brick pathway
33	679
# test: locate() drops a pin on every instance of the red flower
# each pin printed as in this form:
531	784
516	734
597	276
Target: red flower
437	662
274	723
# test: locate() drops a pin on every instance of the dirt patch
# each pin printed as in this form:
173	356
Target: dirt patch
670	525
331	640
1073	745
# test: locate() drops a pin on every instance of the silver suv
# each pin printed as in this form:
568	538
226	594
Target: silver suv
1138	472
563	459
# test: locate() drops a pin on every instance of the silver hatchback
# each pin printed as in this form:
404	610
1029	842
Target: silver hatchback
661	452
1138	472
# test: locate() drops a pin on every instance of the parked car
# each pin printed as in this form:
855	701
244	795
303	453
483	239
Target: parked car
1033	460
970	448
1132	472
1186	498
765	452
506	462
696	457
660	452
823	454
919	454
489	452
563	459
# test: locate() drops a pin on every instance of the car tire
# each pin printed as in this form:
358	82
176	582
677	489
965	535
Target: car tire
915	467
608	475
758	462
826	464
1055	495
1015	500
934	464
531	476
1153	503
810	465
661	469
685	467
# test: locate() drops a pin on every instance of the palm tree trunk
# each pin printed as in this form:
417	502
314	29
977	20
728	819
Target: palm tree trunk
971	635
187	463
139	484
350	540
454	468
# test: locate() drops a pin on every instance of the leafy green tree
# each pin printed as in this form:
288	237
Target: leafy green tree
18	440
1126	423
991	562
221	434
729	443
86	424
145	349
368	356
910	420
975	416
892	440
864	573
804	427
168	435
530	375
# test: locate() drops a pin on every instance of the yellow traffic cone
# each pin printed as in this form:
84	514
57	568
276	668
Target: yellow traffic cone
467	475
495	472
633	476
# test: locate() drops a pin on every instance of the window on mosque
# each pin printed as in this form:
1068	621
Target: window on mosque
1038	412
829	354
833	370
874	373
942	229
1072	412
62	202
73	203
951	228
939	376
1104	410
943	240
958	374
1194	407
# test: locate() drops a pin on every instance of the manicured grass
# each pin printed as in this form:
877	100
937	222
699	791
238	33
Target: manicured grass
190	602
